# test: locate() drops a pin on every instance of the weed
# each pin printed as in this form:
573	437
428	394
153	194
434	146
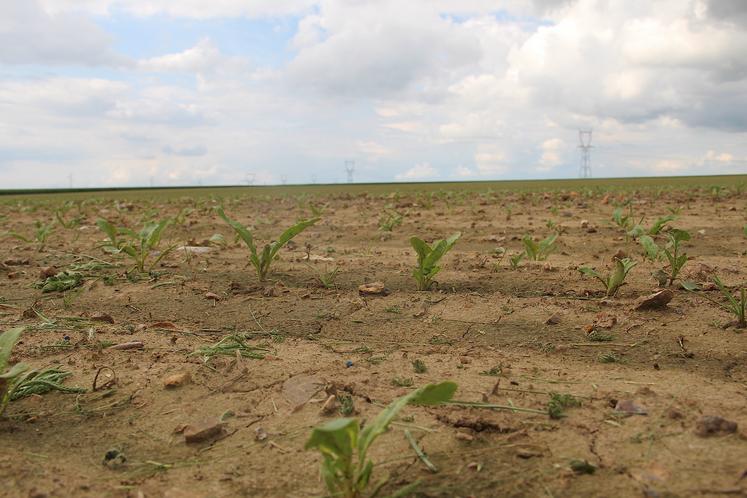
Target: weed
63	281
559	402
614	280
231	345
326	277
393	309
539	251
624	221
402	381
345	400
515	260
735	306
609	358
493	372
599	336
41	382
346	468
9	375
419	366
261	261
428	258
672	253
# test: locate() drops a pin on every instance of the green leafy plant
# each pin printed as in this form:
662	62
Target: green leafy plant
651	250
9	375
515	260
346	467
638	230
539	251
42	382
231	345
326	277
428	258
62	281
41	234
137	245
559	402
672	252
262	260
390	220
622	220
614	280
736	306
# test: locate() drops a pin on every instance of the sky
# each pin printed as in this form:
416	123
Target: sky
102	93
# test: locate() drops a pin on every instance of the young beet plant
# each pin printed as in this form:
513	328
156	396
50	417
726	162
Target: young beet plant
428	258
9	375
136	245
672	252
539	251
614	280
262	260
346	468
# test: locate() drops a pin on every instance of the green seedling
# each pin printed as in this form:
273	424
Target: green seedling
515	260
428	258
63	281
218	240
346	468
672	252
624	221
181	217
559	402
137	245
651	251
733	305
539	251
261	261
9	375
638	230
70	224
614	280
326	277
419	366
403	382
41	234
390	220
41	382
231	345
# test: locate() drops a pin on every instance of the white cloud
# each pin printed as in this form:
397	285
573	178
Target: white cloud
202	58
552	150
421	171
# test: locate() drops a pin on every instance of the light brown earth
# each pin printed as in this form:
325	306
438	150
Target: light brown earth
679	363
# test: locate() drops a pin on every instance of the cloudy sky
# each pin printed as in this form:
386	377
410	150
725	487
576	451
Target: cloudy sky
180	92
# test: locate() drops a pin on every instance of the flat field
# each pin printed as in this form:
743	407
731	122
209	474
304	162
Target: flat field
646	385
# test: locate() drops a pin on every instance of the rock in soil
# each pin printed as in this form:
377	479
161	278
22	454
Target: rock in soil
177	380
657	300
373	289
203	431
710	425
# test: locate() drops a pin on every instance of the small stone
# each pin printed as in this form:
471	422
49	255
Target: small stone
373	289
203	431
330	406
463	436
629	407
47	271
554	319
465	360
591	229
584	223
260	434
710	425
128	345
527	453
102	317
605	320
212	295
177	380
657	300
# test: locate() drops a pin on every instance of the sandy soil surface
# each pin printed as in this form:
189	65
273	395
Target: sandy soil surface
646	380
